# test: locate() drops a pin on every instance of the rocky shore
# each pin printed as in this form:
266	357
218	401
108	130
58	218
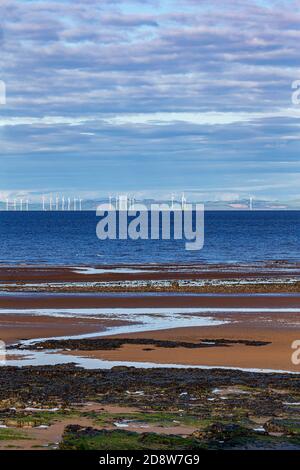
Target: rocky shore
187	408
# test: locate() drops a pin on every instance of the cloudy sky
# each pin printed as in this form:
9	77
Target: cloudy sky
150	96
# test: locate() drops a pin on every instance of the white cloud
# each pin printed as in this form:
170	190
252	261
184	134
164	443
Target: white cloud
154	119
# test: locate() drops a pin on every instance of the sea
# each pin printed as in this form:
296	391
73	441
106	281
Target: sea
69	238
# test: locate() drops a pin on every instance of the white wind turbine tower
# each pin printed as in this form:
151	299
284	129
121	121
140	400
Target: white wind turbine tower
74	203
69	204
56	203
251	203
50	203
43	203
7	204
63	203
21	204
80	204
183	201
172	201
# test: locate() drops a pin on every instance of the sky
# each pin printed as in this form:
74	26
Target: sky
150	97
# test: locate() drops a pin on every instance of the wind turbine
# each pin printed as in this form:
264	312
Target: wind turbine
251	203
172	203
183	201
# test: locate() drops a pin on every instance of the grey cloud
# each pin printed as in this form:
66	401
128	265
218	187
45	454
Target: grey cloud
80	58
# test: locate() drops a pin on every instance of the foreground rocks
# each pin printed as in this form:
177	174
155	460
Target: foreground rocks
216	437
226	408
68	383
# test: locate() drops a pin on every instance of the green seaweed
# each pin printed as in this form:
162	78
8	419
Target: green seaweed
8	434
121	440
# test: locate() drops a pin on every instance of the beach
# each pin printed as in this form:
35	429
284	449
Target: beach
274	356
270	328
30	311
200	340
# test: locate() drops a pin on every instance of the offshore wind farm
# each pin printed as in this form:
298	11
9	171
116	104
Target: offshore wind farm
59	202
45	203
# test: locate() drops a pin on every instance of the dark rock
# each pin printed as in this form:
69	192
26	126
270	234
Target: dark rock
288	428
224	432
115	343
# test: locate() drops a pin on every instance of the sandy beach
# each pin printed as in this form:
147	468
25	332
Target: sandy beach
145	300
268	328
270	318
34	274
21	327
248	316
275	356
240	328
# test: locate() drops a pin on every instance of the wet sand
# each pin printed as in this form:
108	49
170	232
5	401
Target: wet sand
19	327
275	356
106	273
279	328
36	301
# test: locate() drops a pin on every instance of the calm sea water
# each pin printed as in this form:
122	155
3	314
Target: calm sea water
69	238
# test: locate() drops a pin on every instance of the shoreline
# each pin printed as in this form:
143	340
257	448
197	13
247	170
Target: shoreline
265	327
261	278
172	362
160	315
